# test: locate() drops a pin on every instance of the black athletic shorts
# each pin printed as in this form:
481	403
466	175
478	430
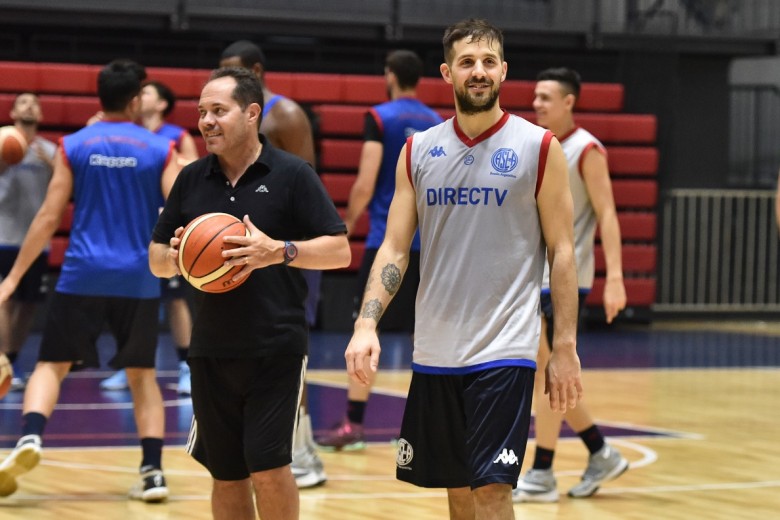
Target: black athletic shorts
31	287
173	288
244	413
547	311
74	323
465	430
399	315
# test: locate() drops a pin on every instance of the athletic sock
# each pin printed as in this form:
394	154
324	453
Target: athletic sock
182	352
356	410
33	423
592	438
151	448
543	458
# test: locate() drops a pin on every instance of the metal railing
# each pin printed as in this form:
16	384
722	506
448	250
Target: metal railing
720	252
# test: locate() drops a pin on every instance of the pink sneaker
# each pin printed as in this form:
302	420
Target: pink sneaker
347	436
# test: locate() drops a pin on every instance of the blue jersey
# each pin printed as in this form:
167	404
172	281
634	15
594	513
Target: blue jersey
172	132
117	169
397	120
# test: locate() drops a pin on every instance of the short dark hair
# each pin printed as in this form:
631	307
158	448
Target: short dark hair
568	78
248	52
476	28
165	93
25	93
248	89
407	67
118	83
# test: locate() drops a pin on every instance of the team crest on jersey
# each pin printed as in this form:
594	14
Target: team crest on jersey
504	160
468	160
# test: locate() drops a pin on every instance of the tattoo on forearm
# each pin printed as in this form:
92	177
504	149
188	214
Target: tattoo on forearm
372	309
391	278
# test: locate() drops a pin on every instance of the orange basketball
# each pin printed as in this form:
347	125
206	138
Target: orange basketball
200	252
6	375
13	145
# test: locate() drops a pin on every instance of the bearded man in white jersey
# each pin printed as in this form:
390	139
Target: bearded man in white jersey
555	96
491	196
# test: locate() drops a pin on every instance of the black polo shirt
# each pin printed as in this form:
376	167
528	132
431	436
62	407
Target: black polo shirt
285	199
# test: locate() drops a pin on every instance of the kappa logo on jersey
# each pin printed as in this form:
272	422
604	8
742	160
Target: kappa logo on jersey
404	455
261	189
507	457
504	160
437	151
106	161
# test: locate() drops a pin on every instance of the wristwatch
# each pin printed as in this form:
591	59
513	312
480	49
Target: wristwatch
290	252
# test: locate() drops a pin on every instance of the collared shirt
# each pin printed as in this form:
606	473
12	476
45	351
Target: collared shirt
286	200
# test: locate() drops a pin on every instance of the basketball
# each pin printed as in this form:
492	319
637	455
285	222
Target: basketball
200	252
13	145
6	375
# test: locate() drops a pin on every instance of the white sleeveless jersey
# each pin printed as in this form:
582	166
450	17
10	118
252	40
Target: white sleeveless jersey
482	249
575	145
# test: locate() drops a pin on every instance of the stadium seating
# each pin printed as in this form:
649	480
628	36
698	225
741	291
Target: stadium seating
339	103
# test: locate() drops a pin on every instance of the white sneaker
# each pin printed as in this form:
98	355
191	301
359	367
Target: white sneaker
538	485
605	464
151	488
118	381
25	457
306	465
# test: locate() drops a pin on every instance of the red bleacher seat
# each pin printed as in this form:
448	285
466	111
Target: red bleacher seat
633	160
640	292
338	185
361	225
636	194
339	154
434	92
368	90
61	78
18	76
186	83
57	248
340	120
281	82
317	88
185	114
600	97
636	226
517	95
637	259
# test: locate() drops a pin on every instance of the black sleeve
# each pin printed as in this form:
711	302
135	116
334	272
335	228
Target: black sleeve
170	217
371	129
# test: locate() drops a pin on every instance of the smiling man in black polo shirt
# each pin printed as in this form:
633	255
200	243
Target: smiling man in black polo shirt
249	345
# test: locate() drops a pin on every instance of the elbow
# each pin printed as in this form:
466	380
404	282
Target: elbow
344	257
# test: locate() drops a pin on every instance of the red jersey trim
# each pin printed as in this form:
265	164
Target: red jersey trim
568	134
484	135
543	151
61	145
585	150
409	159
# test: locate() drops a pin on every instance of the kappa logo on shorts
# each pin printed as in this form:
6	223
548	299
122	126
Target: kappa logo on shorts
507	457
405	454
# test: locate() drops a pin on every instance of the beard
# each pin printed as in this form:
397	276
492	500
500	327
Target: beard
471	105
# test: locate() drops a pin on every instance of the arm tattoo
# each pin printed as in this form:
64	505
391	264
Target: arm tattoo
372	309
391	278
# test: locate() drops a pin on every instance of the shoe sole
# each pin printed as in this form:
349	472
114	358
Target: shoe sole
24	461
612	475
155	495
355	446
544	498
311	480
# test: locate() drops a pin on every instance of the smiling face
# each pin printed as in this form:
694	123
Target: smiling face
476	72
226	128
552	103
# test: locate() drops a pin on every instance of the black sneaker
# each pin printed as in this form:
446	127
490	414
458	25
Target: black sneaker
151	487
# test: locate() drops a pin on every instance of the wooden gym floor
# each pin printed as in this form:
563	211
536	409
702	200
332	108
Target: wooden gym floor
694	407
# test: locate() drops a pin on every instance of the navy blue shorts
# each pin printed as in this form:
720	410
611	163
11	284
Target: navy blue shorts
173	288
74	323
31	288
245	411
465	430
